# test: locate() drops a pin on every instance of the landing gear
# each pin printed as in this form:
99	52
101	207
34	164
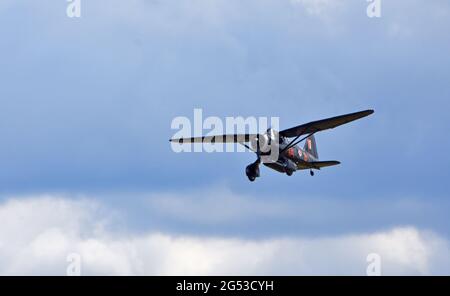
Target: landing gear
311	172
289	173
252	171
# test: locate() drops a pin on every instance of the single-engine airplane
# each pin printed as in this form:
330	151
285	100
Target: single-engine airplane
290	156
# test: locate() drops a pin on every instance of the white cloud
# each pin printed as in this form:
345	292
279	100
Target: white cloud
296	214
37	234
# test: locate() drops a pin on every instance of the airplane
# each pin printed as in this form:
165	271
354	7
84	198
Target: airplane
290	156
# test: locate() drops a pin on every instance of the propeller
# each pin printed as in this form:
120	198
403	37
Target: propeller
258	151
262	144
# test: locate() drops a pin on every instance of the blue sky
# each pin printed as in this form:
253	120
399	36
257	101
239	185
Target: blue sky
86	108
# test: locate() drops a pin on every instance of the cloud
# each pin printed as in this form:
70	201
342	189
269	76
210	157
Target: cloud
37	234
97	87
318	7
218	209
216	205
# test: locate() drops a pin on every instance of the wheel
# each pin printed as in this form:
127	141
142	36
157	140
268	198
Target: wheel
252	171
289	173
311	172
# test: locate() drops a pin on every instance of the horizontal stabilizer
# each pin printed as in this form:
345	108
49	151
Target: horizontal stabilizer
317	164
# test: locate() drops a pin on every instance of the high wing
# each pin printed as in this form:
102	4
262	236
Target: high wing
236	138
317	164
324	124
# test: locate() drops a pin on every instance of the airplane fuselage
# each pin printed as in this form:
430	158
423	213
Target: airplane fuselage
293	158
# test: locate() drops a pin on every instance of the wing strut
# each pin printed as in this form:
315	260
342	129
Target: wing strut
246	146
293	142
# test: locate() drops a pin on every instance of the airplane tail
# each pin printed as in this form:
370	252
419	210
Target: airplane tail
310	146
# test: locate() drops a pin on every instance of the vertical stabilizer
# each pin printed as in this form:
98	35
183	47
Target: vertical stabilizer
310	146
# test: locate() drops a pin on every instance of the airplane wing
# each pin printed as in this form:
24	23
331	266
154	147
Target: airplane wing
236	138
317	164
320	125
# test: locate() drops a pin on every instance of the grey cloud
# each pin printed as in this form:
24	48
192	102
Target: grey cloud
62	230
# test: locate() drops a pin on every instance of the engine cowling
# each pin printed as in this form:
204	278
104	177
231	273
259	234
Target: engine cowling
265	142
